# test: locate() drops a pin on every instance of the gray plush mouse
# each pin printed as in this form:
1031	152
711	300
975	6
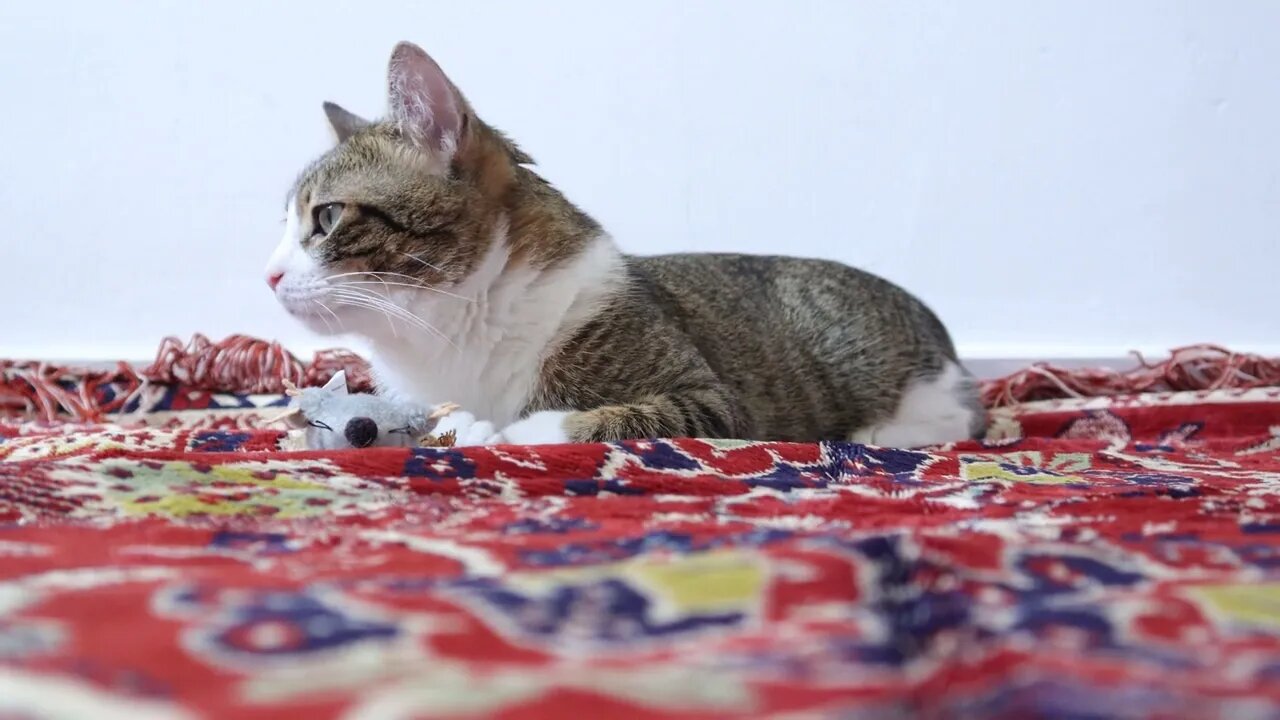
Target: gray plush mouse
331	418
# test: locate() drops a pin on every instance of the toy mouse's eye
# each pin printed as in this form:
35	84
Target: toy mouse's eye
318	424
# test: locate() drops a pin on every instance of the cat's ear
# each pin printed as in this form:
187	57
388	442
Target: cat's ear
344	123
428	108
337	383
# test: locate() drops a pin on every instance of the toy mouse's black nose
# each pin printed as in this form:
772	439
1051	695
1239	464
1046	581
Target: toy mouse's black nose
361	432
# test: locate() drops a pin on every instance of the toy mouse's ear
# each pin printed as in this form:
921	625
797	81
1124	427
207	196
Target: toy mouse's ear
442	410
292	415
418	420
337	383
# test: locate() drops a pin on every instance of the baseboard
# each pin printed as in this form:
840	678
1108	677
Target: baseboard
989	367
984	361
993	360
984	368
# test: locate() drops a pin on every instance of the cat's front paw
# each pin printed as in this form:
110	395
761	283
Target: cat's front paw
541	428
468	431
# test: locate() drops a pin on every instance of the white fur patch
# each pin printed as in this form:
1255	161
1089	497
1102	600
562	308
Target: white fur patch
540	428
302	283
288	255
930	413
511	318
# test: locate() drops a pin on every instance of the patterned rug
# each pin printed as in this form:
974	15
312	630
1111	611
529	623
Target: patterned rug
1097	557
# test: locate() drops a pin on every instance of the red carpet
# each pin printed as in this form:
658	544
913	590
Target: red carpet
1103	557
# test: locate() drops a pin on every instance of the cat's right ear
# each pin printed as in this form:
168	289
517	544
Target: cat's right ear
424	103
344	123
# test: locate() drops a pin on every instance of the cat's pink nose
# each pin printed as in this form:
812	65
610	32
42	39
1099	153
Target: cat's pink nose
274	279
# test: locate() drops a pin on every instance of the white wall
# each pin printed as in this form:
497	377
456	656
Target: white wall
1057	178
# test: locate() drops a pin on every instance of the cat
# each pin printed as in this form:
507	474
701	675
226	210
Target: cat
473	280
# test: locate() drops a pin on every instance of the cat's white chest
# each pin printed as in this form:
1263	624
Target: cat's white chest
492	380
498	337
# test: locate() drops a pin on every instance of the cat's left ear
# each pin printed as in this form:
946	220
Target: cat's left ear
337	383
424	103
344	123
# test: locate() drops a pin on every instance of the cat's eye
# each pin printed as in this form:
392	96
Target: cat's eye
318	424
326	217
402	430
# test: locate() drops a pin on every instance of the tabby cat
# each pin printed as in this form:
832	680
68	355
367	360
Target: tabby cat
475	281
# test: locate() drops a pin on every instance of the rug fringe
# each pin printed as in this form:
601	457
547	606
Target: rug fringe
237	364
1195	367
243	364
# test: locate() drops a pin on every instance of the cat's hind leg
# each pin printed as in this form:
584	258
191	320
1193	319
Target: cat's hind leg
934	410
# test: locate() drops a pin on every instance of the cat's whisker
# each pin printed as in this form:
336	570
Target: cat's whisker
384	305
381	306
417	284
336	319
385	297
352	302
386	290
374	273
375	296
399	284
415	258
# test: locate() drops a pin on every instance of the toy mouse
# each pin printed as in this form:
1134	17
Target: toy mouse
331	418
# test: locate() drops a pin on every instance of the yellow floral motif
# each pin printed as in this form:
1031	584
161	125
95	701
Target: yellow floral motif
177	489
710	582
715	581
1253	604
41	447
1027	466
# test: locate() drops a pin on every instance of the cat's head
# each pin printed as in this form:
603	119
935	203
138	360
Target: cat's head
402	211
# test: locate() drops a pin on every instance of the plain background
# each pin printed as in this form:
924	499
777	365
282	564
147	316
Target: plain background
1058	178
